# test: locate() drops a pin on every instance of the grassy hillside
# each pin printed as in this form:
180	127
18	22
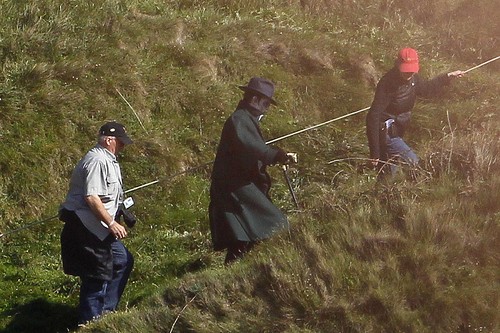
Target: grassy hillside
419	256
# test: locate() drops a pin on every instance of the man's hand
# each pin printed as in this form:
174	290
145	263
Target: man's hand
456	74
98	209
281	157
117	230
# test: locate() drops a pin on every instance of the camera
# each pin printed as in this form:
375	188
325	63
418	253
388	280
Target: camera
128	216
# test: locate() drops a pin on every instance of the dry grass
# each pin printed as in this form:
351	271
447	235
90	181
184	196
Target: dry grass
361	256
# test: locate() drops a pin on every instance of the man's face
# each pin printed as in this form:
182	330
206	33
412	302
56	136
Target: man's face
260	104
114	144
264	104
119	145
406	75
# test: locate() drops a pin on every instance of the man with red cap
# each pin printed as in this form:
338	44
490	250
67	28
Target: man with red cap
390	112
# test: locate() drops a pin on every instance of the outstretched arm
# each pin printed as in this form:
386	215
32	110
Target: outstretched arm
429	88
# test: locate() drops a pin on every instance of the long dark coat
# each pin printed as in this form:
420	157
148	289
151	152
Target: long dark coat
240	208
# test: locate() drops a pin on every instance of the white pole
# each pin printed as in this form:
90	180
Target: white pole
316	126
355	112
268	142
141	186
482	64
169	177
312	127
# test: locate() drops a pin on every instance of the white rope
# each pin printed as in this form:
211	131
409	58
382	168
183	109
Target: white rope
169	177
316	126
28	226
268	142
482	64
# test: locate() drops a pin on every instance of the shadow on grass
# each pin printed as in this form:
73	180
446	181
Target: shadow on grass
41	316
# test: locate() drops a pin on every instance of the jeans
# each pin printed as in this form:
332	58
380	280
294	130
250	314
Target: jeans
397	149
100	296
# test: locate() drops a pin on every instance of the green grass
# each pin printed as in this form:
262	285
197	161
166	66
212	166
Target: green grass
407	256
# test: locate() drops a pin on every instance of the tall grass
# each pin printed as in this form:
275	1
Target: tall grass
411	273
412	256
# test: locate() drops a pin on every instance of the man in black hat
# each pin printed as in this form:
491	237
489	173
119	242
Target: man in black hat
90	240
241	212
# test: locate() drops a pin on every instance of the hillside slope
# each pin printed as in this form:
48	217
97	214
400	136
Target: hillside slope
416	256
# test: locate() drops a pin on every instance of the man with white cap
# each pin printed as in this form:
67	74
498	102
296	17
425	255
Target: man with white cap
90	240
390	112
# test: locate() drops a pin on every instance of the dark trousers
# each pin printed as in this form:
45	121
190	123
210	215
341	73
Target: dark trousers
100	296
103	266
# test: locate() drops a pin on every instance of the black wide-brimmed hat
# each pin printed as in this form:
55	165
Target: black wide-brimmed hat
260	86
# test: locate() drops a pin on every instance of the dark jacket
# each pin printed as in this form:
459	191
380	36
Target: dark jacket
240	208
82	253
395	98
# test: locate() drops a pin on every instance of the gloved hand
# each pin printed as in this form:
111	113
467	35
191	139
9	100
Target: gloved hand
292	158
281	157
